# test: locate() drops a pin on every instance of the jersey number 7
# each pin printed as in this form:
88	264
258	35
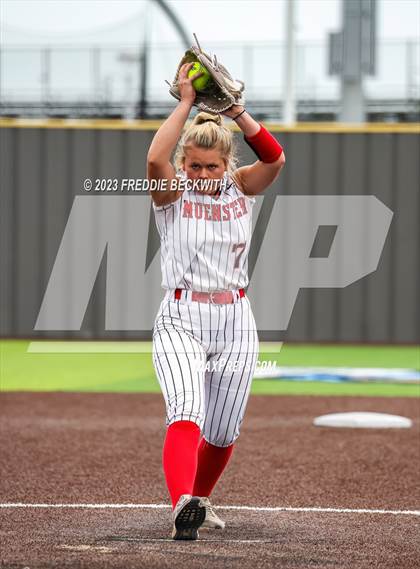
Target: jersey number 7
239	249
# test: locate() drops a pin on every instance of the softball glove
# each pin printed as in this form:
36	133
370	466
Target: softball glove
222	90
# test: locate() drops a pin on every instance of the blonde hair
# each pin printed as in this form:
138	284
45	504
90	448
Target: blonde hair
208	131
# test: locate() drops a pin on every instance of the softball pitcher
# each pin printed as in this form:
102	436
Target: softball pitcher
205	342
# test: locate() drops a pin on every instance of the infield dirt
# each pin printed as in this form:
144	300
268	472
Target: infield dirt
106	449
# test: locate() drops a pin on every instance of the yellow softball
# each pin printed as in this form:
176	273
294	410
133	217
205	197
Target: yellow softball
201	82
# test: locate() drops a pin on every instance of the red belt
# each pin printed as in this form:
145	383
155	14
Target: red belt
221	297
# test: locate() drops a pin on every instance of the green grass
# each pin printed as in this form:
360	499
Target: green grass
266	387
133	372
347	355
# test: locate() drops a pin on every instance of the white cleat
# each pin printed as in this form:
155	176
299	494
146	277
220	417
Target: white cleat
188	515
212	520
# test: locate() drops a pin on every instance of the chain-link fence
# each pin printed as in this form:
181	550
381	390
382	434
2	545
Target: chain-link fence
106	81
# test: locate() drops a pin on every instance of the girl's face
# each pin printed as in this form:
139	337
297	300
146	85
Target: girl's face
204	164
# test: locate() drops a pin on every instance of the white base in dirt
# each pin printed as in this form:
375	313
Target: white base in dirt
362	420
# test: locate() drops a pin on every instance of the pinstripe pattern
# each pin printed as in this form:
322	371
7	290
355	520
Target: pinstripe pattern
214	400
205	253
199	251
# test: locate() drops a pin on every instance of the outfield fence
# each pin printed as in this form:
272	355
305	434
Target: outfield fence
43	169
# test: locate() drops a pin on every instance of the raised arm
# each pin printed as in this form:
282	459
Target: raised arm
256	177
159	165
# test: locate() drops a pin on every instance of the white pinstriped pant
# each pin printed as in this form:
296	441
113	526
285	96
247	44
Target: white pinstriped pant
187	334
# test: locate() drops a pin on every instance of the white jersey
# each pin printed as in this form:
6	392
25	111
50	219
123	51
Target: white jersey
205	240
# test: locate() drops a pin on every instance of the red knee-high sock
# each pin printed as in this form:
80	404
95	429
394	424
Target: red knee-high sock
212	461
180	458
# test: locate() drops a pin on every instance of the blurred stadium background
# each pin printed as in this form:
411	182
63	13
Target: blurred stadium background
113	78
119	70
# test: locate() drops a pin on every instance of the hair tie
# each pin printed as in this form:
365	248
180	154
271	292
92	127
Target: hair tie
237	116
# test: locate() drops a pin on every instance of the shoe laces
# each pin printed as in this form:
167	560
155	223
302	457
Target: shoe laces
208	505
